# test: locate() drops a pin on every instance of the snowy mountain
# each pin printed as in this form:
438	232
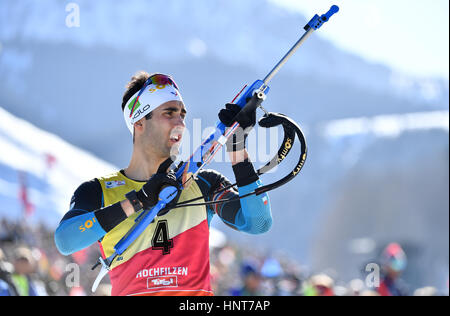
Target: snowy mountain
45	166
253	33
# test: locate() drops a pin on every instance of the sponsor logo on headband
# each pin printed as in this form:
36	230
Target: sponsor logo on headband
136	106
140	111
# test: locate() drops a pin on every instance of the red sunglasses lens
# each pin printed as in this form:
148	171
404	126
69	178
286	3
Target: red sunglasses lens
163	79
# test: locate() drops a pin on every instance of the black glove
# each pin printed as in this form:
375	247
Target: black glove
149	193
246	119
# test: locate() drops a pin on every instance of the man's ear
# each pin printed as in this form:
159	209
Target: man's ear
139	125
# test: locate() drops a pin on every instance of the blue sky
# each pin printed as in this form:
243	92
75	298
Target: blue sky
408	35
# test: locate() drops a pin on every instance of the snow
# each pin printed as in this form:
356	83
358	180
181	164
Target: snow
388	125
54	168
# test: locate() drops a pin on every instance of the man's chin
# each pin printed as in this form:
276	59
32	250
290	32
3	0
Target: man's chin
174	151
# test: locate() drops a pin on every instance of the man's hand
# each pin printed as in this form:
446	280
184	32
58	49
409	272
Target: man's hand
149	193
232	113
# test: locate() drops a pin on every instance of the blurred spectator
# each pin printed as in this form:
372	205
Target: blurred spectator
426	291
393	263
319	285
369	293
288	285
271	268
7	287
355	287
77	291
24	266
251	280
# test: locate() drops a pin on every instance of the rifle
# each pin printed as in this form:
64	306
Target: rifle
251	99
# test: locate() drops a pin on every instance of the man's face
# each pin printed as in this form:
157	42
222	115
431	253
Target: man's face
162	134
23	266
253	281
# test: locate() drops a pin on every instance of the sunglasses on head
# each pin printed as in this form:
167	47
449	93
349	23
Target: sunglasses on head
156	79
160	79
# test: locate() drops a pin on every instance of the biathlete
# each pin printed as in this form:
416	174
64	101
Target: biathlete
171	257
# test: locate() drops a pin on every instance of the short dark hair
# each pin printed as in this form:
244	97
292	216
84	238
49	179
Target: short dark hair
135	84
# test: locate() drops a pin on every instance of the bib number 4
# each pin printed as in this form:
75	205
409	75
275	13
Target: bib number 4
160	240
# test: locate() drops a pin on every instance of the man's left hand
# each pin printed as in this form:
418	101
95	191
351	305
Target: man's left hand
232	113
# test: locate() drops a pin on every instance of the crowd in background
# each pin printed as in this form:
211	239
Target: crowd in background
31	265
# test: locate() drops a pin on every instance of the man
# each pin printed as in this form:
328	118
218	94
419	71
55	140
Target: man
319	285
393	263
171	257
251	281
24	266
7	287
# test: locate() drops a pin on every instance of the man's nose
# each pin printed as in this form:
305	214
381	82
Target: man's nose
180	121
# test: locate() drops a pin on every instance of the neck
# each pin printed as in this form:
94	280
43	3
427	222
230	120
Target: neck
143	164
